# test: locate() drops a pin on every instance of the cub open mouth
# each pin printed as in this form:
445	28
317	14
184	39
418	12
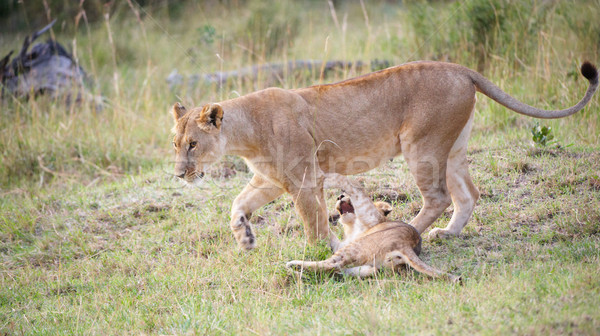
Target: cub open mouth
344	205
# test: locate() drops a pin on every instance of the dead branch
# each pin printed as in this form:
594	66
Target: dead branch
270	71
45	68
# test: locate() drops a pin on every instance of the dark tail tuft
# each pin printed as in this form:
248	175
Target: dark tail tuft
589	71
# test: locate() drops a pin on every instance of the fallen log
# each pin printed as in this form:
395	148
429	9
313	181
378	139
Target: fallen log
270	71
47	69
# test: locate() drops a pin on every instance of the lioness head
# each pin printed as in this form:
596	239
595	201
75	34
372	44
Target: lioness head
197	141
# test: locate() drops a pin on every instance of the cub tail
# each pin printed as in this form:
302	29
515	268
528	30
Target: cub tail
407	255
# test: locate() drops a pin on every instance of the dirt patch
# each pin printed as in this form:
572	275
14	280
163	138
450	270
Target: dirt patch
489	194
523	167
63	290
594	183
156	207
292	228
537	152
390	196
259	221
554	152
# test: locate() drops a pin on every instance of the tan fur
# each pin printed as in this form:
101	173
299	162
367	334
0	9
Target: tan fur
291	138
352	226
388	244
383	243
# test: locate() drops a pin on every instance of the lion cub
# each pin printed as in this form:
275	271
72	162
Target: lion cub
370	241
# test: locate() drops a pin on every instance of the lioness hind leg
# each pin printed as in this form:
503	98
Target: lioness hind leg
410	257
257	193
427	164
462	190
464	197
426	143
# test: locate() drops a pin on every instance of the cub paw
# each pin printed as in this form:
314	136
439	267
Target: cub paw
438	233
334	243
295	265
244	235
458	280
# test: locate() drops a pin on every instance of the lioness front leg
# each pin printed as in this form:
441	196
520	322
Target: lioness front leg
310	205
257	193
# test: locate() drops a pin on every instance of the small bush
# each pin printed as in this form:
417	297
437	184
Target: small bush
542	135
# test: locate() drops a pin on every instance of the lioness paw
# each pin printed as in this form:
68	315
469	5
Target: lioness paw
244	235
438	233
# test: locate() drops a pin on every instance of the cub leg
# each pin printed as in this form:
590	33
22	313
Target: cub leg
410	257
364	271
462	190
328	265
257	193
334	263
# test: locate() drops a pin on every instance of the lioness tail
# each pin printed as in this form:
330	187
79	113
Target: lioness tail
489	89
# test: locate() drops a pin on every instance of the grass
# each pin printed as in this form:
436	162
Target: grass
97	237
143	255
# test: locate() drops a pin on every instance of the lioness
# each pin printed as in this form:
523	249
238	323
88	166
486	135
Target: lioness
291	138
370	241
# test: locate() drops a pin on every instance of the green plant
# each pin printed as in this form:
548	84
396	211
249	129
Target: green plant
207	34
542	135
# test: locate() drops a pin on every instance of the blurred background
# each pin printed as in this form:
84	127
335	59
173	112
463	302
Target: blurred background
142	56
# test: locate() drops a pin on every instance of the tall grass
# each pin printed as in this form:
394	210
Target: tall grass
129	50
97	238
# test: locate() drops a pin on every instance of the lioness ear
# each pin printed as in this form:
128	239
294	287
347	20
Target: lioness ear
178	111
210	117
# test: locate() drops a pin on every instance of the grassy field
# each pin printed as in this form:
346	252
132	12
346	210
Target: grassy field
97	237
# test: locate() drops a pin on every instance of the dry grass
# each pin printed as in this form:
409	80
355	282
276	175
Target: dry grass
96	236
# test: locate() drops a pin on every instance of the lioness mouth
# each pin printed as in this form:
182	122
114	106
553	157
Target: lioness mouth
194	176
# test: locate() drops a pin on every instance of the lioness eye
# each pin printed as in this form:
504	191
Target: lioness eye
193	144
174	144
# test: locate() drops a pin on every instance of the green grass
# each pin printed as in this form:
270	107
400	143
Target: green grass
143	255
97	237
